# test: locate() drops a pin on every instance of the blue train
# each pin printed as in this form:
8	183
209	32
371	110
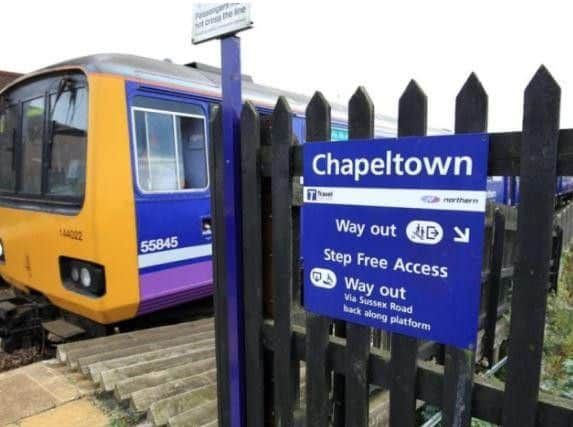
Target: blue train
505	190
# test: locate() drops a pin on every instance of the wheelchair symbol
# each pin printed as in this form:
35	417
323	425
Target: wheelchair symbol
323	278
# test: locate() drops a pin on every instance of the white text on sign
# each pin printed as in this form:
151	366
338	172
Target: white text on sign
392	164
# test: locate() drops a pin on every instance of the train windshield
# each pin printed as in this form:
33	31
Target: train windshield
66	172
8	129
32	135
43	137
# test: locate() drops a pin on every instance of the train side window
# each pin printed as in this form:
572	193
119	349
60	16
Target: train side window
141	147
157	158
171	151
67	153
32	136
8	128
191	136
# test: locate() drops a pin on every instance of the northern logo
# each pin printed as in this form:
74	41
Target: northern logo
430	198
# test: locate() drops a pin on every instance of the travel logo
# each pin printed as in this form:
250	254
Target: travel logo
316	195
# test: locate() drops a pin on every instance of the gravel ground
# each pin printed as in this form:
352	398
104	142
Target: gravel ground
19	358
5	292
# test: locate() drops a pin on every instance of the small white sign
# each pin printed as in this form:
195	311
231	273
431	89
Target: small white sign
323	278
424	232
213	20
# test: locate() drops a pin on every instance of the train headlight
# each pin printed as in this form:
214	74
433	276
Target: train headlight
1	251
85	277
75	273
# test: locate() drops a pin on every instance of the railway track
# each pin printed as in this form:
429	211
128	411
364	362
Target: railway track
29	320
20	320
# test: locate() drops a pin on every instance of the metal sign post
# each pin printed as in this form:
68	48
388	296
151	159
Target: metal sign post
223	21
231	82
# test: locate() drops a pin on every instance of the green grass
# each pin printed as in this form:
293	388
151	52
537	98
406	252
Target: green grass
557	367
119	415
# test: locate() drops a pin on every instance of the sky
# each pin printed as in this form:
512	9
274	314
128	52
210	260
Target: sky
331	46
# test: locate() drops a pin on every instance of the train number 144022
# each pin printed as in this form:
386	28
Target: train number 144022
158	244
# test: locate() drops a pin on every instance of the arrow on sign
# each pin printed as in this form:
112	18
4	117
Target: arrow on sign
462	236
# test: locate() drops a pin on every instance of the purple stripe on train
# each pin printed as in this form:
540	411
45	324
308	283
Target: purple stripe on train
166	288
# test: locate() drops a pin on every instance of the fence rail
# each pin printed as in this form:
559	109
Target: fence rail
345	365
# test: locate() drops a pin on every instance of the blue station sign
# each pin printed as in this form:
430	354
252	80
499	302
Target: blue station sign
393	232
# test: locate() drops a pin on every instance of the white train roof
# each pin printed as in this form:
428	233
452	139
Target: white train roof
205	79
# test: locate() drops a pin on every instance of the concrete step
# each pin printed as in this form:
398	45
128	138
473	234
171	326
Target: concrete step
160	412
159	383
131	386
142	400
97	368
63	329
110	378
86	361
82	382
205	414
166	368
122	341
169	373
379	410
94	342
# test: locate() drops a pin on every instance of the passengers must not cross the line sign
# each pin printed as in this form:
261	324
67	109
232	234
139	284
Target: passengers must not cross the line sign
216	20
393	233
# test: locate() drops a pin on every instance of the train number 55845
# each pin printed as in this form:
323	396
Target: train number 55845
158	244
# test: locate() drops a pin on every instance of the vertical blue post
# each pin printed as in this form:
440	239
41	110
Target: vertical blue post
231	83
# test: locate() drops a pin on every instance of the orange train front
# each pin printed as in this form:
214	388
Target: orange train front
104	184
66	196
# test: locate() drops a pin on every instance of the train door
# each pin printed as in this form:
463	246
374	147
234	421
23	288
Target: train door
169	135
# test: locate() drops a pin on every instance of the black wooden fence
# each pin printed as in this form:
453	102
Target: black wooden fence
305	369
